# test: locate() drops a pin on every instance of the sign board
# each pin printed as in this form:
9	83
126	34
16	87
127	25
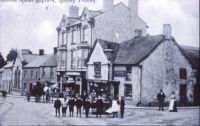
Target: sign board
119	73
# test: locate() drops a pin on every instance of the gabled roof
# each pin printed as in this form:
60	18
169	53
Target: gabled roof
51	61
137	49
192	54
109	47
38	61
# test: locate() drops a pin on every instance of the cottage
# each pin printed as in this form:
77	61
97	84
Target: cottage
144	65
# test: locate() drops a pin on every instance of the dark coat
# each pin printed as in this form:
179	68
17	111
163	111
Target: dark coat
161	97
71	103
122	104
99	104
79	103
57	104
87	104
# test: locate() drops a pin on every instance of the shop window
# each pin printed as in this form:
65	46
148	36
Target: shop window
183	73
128	73
128	90
97	68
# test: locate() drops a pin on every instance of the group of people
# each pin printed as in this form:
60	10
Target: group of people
86	104
161	99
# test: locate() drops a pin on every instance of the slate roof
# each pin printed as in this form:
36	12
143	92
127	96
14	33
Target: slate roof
51	61
137	49
192	54
39	61
29	57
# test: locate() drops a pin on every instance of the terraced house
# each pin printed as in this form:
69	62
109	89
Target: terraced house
77	34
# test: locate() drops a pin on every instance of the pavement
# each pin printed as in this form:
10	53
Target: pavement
15	110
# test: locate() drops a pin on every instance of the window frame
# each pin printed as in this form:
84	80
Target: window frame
183	73
129	91
97	69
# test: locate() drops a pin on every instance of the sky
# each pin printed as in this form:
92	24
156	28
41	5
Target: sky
33	25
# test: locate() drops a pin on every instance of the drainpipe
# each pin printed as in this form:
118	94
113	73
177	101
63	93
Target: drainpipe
140	85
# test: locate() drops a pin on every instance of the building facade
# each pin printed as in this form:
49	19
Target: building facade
43	68
77	34
6	77
144	65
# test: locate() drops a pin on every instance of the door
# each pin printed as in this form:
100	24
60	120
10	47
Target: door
116	89
183	95
196	96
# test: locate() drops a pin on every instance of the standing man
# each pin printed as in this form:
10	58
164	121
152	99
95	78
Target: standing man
122	106
78	106
57	105
87	107
161	99
99	106
71	103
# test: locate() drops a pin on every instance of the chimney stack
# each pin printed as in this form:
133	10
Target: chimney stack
54	50
138	33
73	11
133	5
107	4
41	52
167	31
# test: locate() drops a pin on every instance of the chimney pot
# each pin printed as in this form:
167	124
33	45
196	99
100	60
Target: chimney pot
41	52
138	33
167	31
54	50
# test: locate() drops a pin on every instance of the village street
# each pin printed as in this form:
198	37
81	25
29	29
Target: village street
17	111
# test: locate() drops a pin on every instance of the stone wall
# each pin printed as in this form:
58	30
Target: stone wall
161	71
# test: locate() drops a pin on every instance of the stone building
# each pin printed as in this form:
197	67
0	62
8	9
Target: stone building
26	69
6	77
138	68
43	68
24	57
77	34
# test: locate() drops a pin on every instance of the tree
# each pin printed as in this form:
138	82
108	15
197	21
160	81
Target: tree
12	55
2	61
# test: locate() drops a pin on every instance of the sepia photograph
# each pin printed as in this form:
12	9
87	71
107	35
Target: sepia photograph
99	62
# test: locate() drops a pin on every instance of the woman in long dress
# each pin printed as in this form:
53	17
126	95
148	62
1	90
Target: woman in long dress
115	108
172	105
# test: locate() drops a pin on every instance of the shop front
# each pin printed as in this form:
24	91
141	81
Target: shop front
105	89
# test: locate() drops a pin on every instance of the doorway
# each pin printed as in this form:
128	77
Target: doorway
183	95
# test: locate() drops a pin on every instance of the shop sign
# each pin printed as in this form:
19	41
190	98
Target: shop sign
119	73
